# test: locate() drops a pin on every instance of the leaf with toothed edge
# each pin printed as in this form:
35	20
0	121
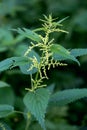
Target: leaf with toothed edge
13	62
67	96
28	33
23	62
78	52
60	53
36	103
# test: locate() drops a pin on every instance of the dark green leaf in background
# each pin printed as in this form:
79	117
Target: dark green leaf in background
80	20
6	110
7	95
3	84
6	37
29	34
68	96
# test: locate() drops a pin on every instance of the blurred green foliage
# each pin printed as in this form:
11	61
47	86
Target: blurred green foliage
26	13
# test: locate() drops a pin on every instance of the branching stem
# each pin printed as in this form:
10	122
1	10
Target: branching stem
46	59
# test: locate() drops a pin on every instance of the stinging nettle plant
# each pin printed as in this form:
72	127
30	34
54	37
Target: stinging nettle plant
38	96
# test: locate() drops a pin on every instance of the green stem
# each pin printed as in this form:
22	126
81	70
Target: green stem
28	121
27	124
37	76
31	82
21	112
46	37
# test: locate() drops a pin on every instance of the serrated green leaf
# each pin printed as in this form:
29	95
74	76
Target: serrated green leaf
29	34
12	62
67	96
5	64
18	61
24	63
6	110
60	53
36	103
78	52
3	84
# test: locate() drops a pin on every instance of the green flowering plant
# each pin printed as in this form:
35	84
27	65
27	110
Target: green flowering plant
51	54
